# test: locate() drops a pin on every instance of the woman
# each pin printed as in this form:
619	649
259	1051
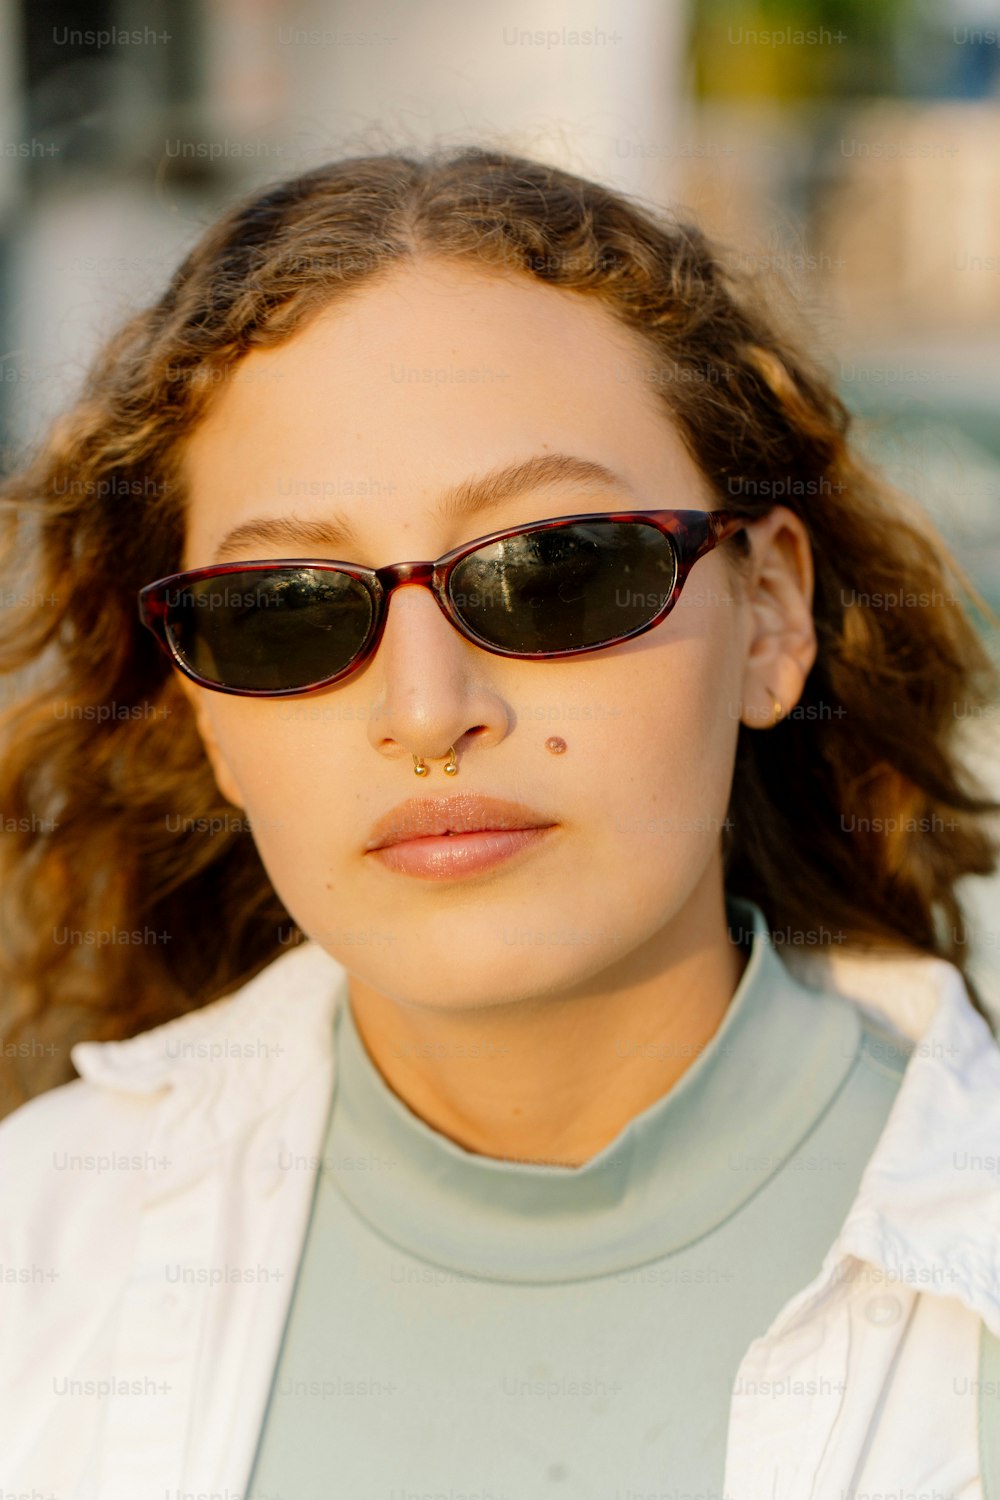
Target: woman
528	1048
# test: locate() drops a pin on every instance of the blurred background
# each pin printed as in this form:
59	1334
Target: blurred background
847	148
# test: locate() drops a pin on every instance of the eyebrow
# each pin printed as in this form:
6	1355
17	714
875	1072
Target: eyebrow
470	497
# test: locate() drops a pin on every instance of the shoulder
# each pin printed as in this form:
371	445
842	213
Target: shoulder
112	1135
70	1133
60	1117
74	1169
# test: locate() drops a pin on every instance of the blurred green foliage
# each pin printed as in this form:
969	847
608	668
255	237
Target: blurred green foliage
789	50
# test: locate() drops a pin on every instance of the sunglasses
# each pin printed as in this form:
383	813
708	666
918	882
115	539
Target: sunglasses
537	592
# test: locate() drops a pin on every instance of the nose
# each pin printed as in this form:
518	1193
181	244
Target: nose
434	688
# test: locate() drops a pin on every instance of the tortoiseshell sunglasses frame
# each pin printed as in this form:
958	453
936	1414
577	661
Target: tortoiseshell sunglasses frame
693	533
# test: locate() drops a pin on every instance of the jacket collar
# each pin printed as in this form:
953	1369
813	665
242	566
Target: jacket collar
262	1035
927	1211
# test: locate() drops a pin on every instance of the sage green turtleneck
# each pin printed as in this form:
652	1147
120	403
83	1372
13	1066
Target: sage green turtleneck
476	1328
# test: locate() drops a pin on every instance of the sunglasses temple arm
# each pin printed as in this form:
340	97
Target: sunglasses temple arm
714	527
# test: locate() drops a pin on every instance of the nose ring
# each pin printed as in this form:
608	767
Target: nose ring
451	769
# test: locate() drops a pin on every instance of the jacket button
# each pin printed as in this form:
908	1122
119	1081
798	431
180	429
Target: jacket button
884	1310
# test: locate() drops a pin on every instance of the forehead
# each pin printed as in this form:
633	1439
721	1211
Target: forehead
432	374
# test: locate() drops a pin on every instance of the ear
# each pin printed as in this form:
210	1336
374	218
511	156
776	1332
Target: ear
224	778
781	647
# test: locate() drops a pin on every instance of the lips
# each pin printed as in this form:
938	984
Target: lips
430	817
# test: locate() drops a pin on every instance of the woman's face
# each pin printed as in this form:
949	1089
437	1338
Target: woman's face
437	375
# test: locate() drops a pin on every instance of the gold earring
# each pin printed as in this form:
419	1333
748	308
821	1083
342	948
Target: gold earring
419	769
777	709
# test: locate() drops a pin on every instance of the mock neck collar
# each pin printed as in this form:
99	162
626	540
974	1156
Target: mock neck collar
669	1176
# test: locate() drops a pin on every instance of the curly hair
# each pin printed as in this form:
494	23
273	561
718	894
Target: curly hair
856	813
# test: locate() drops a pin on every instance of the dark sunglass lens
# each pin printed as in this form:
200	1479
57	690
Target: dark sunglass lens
269	630
583	584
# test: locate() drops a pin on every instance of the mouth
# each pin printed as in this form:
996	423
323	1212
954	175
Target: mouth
452	817
452	838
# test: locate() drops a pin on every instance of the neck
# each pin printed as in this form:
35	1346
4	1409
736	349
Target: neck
555	1078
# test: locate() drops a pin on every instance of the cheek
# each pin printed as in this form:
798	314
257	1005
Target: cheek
295	787
668	781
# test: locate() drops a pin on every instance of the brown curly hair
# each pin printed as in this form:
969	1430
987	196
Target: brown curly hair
112	915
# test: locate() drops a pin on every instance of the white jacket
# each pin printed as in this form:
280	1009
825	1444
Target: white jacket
120	1380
